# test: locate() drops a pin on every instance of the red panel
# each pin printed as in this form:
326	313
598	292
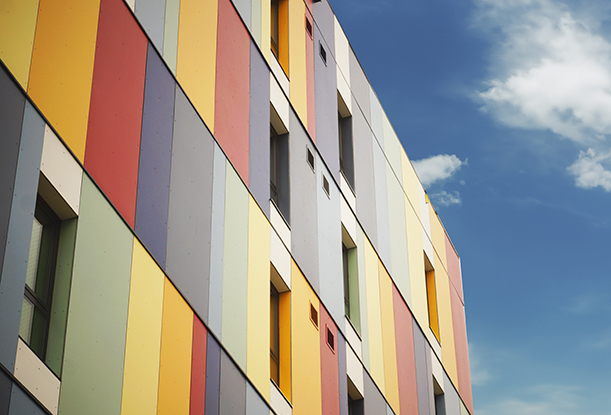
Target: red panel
310	79
406	358
454	267
198	368
115	113
232	110
329	366
462	351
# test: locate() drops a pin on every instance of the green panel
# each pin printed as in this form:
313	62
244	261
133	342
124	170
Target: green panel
97	314
61	294
170	37
235	271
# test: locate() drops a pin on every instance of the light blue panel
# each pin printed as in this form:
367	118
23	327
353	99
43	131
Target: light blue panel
244	9
360	257
22	404
235	267
451	397
325	22
19	233
255	405
383	243
398	233
215	306
377	115
151	14
330	267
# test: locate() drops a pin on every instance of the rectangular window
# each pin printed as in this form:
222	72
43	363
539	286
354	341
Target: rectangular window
344	126
279	188
280	333
440	401
279	32
431	294
351	283
274	341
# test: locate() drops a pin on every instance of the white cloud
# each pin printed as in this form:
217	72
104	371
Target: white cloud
437	168
541	400
445	198
589	171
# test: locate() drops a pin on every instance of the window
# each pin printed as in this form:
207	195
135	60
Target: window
323	53
314	315
279	32
274	341
351	286
344	126
280	333
431	294
310	159
38	293
279	188
325	185
440	401
330	339
355	399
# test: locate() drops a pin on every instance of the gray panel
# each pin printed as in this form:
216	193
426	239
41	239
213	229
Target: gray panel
233	388
360	88
12	104
440	405
22	404
424	376
325	83
189	218
363	175
217	242
304	240
452	401
5	392
255	405
343	373
258	158
324	18
243	7
381	200
19	233
213	376
373	399
151	13
330	266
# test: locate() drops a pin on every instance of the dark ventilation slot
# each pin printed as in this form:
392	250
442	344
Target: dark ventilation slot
314	315
325	185
330	339
308	25
311	159
323	54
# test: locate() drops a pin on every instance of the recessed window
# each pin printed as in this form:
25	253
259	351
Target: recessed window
323	53
279	192
280	333
325	186
313	315
274	340
330	339
279	32
308	26
310	158
431	294
344	128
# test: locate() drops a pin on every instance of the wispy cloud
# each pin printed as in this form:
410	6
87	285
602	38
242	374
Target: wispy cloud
445	198
437	168
539	400
552	71
480	375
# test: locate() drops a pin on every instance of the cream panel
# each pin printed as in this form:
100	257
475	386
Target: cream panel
342	52
278	99
354	369
278	74
426	224
279	224
278	402
131	4
348	192
60	168
281	258
36	377
352	338
417	280
437	371
348	219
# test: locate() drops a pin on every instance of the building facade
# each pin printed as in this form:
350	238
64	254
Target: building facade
204	209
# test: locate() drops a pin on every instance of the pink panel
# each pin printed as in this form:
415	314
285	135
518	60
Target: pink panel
329	366
454	267
115	114
232	108
198	368
406	358
310	79
462	352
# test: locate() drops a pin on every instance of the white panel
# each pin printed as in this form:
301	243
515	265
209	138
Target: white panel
347	192
377	114
353	339
434	344
463	409
344	89
37	377
354	370
280	104
342	53
278	402
437	371
281	258
279	224
131	4
61	169
348	219
392	148
279	75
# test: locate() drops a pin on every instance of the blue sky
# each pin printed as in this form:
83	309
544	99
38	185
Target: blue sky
505	108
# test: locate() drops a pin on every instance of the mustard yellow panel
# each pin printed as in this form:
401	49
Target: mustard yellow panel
446	327
374	316
306	348
143	344
388	336
257	352
17	27
196	61
297	59
62	67
176	347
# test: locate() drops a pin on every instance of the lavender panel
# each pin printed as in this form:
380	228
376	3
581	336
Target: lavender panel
213	376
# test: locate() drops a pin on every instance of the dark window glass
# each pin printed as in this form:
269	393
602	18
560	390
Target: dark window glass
274	350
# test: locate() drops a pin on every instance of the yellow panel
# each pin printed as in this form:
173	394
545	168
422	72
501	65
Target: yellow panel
446	328
17	26
297	59
431	295
439	239
257	353
196	62
285	344
176	347
283	35
388	332
417	280
266	43
374	316
306	348
62	67
142	348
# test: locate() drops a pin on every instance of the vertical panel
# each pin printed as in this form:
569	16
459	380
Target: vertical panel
65	32
392	148
213	376
306	348
406	365
258	162
423	372
257	354
363	175
233	388
310	79
360	87
188	252
256	21
329	366
374	322
170	33
244	9
343	374
397	233
453	262
176	347
97	318
155	156
381	192
452	401
19	232
374	401
297	59
388	337
17	27
22	404
462	350
446	328
232	109
6	384
217	243
143	342
198	368
255	405
115	114
415	256
196	61
151	14
377	116
362	276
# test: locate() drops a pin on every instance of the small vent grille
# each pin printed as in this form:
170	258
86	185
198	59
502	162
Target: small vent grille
323	53
330	339
311	159
314	315
308	25
325	185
